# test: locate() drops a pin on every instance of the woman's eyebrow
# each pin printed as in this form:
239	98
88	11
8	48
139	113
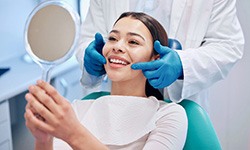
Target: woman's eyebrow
135	34
129	33
114	31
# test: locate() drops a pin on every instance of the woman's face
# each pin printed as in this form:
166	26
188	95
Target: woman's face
129	42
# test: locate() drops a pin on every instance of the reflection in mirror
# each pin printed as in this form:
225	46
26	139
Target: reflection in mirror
51	34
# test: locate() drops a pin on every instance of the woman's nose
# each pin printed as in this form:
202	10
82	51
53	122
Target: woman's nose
117	50
119	47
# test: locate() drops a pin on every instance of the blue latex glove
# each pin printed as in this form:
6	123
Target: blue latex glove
164	71
93	58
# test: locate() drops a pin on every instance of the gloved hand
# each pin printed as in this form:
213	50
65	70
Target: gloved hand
164	71
93	58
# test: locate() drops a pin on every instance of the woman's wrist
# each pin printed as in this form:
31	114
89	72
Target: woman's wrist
77	139
82	139
42	145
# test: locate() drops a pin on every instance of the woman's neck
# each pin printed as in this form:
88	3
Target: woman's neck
129	88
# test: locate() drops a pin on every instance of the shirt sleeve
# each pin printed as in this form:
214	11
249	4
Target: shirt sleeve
93	23
171	129
210	60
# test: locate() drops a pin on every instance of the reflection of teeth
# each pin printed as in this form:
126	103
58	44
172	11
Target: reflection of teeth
117	61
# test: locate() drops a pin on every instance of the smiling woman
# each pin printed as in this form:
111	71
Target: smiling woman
130	41
126	119
135	34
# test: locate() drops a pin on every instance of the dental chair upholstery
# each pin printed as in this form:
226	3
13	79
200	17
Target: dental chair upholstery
201	134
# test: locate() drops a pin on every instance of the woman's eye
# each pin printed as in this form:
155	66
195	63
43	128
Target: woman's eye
134	42
111	38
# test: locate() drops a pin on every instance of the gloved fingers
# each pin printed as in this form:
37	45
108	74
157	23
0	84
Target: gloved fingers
162	50
151	74
155	77
92	56
95	67
163	80
155	83
152	65
95	70
99	42
90	61
159	78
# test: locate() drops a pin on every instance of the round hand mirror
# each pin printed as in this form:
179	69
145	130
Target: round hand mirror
51	34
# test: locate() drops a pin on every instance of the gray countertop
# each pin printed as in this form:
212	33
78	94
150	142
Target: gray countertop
23	73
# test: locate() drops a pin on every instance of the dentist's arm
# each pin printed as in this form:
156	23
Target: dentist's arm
164	71
94	22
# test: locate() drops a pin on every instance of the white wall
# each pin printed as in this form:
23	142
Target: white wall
230	98
13	15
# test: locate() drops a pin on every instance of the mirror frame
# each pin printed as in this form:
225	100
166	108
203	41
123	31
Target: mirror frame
75	18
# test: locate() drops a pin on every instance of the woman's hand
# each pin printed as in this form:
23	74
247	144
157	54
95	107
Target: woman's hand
32	120
58	117
48	115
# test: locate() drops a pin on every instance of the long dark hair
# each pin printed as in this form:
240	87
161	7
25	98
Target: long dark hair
158	33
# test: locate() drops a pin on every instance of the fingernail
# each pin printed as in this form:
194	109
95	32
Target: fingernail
31	88
27	96
39	82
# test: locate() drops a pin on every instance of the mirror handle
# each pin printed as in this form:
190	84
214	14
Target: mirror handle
46	73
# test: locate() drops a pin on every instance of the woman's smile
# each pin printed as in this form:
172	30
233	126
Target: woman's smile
117	61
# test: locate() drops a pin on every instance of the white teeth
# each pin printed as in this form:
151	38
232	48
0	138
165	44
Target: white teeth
117	61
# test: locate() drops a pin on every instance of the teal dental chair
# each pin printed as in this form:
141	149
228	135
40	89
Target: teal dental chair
201	134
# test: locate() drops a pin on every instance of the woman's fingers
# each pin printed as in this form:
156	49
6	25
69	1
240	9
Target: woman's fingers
62	105
34	124
40	118
51	91
45	101
39	110
43	97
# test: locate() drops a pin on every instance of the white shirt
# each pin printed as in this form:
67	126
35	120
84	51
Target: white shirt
209	31
154	8
127	122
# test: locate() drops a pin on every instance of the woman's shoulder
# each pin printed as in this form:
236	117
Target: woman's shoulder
169	106
173	108
170	110
170	118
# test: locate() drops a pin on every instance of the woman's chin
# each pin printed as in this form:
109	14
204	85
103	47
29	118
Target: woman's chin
115	78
